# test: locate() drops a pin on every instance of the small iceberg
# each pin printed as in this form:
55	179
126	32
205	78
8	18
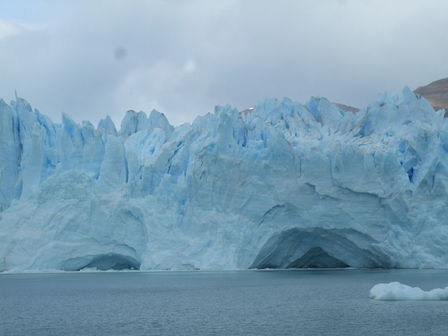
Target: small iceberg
395	291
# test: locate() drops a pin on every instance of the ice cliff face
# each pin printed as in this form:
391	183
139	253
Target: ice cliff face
283	185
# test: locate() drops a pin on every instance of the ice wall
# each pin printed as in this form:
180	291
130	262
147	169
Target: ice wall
284	185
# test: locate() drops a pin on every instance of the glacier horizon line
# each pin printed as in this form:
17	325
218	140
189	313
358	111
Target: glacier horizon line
108	119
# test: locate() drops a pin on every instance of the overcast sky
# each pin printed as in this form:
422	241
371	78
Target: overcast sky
93	58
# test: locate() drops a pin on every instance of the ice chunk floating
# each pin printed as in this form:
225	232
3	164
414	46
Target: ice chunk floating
282	185
395	291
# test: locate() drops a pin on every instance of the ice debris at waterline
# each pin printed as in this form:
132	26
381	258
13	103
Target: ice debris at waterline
395	291
284	185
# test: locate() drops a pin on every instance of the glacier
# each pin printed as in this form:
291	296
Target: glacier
280	185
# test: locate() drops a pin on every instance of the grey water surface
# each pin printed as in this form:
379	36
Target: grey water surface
303	302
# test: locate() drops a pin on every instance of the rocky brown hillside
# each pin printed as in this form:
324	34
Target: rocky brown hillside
436	93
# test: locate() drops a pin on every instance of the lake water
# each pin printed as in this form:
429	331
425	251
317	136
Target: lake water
317	302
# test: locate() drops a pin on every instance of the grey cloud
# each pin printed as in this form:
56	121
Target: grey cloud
97	58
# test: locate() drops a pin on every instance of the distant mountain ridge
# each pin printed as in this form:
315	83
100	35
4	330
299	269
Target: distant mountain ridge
347	108
436	93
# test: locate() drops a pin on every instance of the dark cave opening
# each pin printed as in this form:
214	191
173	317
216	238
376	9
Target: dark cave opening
102	262
316	257
113	262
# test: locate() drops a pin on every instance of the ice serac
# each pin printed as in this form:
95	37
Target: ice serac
134	122
107	126
282	185
10	152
